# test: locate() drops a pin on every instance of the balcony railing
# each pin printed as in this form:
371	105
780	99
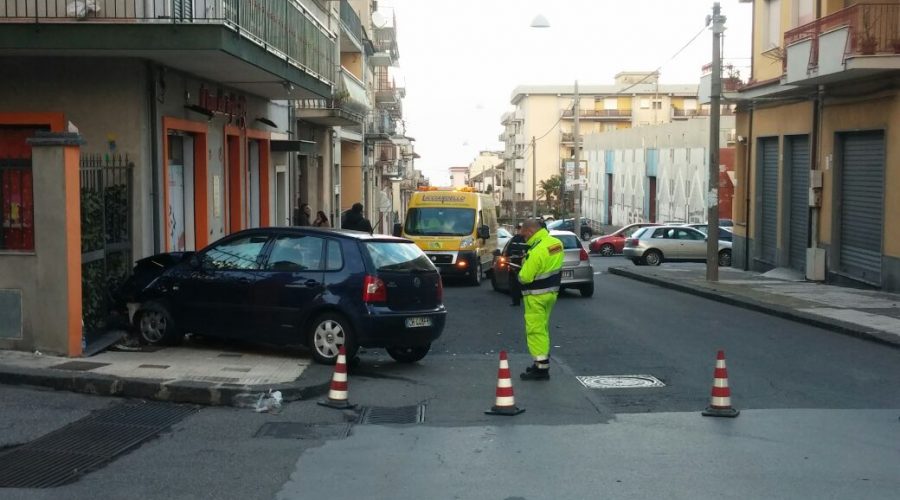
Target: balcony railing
351	21
569	137
873	29
598	113
285	28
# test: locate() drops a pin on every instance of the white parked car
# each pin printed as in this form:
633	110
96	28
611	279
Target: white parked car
503	236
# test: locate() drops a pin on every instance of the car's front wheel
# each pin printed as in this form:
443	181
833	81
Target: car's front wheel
607	250
155	324
327	334
408	354
475	279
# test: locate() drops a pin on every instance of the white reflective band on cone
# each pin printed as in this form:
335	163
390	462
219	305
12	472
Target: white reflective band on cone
720	363
504	364
506	401
339	377
716	402
720	382
337	394
504	382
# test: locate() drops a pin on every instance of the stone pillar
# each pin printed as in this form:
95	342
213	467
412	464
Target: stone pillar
55	308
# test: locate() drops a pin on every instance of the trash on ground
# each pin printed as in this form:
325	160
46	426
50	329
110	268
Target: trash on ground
269	402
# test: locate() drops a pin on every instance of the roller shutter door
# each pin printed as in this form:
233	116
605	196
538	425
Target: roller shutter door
799	202
862	206
769	200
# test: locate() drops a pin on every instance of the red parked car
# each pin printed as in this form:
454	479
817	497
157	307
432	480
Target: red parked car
612	244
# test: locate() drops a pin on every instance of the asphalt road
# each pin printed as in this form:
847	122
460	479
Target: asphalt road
819	415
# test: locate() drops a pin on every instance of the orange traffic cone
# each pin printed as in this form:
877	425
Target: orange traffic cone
720	402
505	404
337	393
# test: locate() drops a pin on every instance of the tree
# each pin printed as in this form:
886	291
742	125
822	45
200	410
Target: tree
550	190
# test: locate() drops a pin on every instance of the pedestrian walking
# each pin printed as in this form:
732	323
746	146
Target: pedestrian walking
517	249
355	219
540	277
321	220
301	214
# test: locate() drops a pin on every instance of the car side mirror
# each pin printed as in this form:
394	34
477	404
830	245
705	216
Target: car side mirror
484	232
398	230
497	252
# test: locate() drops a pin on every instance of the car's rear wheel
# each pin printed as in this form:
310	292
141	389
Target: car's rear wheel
475	279
725	258
587	290
327	333
494	284
653	258
607	250
155	325
408	354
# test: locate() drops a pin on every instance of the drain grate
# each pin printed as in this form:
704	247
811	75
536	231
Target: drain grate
61	456
620	381
78	366
379	415
299	430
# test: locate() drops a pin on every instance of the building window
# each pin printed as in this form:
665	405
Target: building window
773	24
16	190
610	103
803	12
645	103
657	104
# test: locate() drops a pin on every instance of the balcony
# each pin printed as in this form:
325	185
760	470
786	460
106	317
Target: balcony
599	114
569	138
860	41
352	32
347	109
384	41
381	127
262	48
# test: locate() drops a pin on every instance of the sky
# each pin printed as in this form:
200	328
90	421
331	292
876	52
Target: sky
461	60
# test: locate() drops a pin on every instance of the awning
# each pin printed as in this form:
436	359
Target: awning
356	92
298	146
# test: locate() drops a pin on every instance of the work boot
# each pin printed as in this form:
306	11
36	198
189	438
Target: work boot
535	373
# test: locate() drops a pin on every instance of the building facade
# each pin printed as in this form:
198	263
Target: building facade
656	173
818	125
486	174
539	134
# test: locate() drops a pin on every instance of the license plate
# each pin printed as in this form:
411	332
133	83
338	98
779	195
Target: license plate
418	322
568	274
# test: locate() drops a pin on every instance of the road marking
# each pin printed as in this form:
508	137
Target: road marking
598	272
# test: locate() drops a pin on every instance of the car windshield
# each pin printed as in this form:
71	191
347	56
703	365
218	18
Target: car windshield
440	221
628	231
569	241
398	256
503	233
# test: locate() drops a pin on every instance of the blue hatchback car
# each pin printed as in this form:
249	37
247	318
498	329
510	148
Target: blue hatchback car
322	288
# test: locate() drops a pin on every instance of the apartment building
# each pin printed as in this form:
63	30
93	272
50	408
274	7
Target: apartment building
539	134
486	174
817	163
459	176
656	173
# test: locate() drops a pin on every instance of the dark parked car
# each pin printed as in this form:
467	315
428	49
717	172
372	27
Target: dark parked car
577	271
322	288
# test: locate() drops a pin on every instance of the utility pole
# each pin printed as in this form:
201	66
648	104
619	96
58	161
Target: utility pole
513	198
576	202
534	213
712	196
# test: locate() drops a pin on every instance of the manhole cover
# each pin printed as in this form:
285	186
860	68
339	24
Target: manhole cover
299	430
620	381
379	415
61	456
78	366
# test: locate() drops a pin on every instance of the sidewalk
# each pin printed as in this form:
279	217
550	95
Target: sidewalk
862	313
197	372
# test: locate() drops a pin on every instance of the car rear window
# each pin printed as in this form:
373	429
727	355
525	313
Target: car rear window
569	241
397	256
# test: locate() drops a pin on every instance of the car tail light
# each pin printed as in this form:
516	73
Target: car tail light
501	261
631	242
374	290
583	255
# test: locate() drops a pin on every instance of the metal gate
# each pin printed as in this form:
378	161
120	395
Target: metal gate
768	199
862	206
106	236
798	214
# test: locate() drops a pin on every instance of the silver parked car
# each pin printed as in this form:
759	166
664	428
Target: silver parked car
657	244
577	270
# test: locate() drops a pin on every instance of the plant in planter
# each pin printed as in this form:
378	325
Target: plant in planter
868	43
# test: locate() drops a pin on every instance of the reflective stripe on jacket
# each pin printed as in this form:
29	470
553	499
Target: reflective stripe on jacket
542	268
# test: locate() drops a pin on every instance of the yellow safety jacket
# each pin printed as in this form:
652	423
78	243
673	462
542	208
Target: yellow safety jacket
542	267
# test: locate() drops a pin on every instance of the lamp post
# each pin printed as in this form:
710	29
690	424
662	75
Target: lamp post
539	21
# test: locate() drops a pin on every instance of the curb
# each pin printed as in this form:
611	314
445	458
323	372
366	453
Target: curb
307	386
834	325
